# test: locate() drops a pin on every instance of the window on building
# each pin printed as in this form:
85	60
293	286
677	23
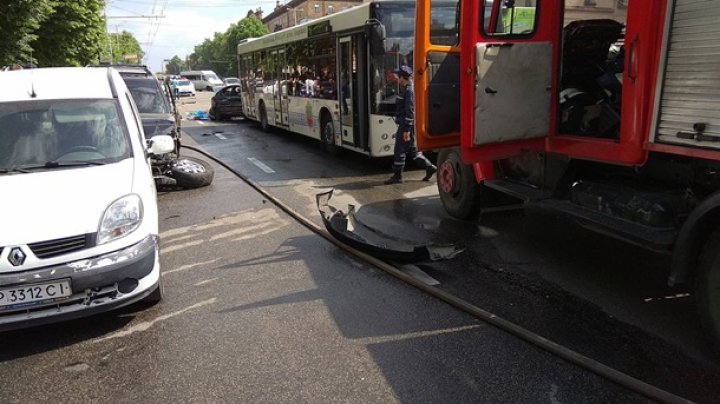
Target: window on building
316	7
330	9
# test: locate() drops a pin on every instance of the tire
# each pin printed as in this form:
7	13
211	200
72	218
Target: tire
155	296
707	287
190	172
212	116
327	136
459	192
264	125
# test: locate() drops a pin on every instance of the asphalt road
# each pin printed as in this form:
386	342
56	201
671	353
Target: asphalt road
601	297
260	309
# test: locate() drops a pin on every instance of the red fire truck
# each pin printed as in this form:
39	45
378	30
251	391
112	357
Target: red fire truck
606	111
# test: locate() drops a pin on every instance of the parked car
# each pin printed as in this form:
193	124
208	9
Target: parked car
79	217
159	116
228	81
226	103
185	88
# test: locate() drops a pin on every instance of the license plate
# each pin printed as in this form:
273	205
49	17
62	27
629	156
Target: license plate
33	294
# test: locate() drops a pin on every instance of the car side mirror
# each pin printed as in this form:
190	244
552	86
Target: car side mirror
160	144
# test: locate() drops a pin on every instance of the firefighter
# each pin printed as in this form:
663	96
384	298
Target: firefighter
405	136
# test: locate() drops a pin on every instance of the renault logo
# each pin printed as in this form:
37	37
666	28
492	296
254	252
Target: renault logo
16	257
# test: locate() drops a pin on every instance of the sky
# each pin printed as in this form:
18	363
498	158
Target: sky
176	26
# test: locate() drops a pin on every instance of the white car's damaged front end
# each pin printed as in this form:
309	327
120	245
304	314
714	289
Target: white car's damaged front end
80	225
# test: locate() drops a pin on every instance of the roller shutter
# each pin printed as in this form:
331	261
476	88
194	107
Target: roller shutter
689	107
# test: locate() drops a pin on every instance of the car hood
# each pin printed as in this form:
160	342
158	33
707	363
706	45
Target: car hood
157	124
47	205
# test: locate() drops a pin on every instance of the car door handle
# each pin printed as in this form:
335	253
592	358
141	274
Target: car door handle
490	90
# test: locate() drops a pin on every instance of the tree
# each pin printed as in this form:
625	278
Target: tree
219	53
125	48
73	35
19	21
175	65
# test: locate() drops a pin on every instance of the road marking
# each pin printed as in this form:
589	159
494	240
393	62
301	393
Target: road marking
670	297
261	165
189	266
145	325
205	281
418	334
200	122
220	136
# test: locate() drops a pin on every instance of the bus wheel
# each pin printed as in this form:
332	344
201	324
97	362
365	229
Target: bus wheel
707	286
263	119
328	135
459	192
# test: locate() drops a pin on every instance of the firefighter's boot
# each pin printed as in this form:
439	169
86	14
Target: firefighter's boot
429	171
396	177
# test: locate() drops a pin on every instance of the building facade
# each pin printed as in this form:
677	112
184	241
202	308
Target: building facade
296	12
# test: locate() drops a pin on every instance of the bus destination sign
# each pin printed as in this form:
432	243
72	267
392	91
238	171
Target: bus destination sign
320	28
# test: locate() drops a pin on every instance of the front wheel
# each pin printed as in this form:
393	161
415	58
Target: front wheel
328	136
155	296
458	189
264	125
707	286
191	172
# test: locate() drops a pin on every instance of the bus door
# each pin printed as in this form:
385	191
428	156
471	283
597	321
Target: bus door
353	90
280	91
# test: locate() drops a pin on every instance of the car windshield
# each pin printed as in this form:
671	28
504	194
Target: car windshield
232	81
148	96
184	83
211	77
52	134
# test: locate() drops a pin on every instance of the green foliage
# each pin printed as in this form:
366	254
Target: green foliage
51	32
174	65
220	53
72	36
125	48
19	22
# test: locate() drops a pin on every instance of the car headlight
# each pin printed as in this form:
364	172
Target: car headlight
121	218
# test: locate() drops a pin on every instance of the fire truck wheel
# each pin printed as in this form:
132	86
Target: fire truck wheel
459	192
707	286
190	172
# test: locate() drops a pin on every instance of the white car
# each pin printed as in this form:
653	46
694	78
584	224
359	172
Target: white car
229	81
185	88
79	231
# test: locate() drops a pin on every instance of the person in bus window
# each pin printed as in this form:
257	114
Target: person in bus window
405	135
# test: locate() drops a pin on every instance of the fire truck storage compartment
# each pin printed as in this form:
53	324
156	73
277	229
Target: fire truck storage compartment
688	108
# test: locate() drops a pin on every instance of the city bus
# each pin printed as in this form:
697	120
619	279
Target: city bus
332	78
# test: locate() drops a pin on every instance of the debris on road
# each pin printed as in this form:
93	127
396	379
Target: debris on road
351	231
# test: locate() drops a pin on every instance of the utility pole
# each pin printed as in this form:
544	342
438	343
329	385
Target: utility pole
123	17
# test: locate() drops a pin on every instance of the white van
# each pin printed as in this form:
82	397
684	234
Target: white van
79	217
203	79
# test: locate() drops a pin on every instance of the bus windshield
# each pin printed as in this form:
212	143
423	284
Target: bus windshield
399	23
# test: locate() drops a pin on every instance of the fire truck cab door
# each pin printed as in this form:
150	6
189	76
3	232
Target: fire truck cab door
437	74
512	91
507	63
